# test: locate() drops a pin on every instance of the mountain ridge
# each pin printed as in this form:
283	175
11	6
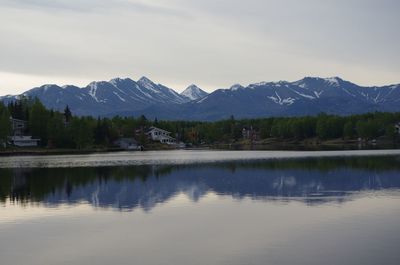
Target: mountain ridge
308	96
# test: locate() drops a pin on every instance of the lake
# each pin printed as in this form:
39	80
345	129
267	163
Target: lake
201	207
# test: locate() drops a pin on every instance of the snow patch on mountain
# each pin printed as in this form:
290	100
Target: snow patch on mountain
147	83
348	92
121	98
303	95
46	87
280	101
115	81
318	94
236	87
254	85
143	92
201	100
333	81
93	90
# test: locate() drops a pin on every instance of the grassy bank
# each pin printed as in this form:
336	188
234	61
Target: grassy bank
312	144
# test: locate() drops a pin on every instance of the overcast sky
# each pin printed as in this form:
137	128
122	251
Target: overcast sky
212	43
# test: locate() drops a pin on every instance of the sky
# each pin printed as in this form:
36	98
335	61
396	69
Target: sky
211	43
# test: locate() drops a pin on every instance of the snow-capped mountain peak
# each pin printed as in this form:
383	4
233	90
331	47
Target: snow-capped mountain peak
193	92
47	87
236	87
116	81
146	82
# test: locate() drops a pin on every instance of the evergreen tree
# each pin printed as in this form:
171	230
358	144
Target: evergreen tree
56	131
81	132
67	114
348	130
5	125
38	121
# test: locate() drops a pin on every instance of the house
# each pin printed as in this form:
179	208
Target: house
23	141
18	126
160	135
397	127
128	144
249	133
18	138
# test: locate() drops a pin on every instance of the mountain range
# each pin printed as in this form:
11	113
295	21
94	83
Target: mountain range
308	96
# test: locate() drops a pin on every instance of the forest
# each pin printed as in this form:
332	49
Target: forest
63	129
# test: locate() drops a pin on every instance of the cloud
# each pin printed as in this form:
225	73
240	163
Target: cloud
213	43
88	6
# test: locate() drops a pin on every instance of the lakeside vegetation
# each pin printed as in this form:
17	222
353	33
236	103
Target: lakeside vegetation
63	130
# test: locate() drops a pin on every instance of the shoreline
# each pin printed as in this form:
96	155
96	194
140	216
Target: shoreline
276	146
177	158
46	152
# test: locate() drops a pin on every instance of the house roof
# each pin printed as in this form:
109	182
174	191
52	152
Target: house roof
18	120
152	128
167	137
23	138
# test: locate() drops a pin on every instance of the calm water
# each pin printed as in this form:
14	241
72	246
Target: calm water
183	208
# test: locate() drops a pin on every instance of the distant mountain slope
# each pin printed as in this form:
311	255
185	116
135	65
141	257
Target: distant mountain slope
308	96
101	98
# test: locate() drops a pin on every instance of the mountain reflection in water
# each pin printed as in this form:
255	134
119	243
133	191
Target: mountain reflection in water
313	181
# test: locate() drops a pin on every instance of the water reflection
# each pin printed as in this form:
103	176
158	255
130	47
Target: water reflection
313	181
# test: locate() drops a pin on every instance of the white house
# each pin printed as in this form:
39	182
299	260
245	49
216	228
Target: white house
18	138
18	126
397	126
23	141
160	135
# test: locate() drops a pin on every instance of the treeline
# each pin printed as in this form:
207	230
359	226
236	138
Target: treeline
65	130
324	127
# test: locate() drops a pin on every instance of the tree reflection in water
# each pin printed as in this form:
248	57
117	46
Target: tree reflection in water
313	181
